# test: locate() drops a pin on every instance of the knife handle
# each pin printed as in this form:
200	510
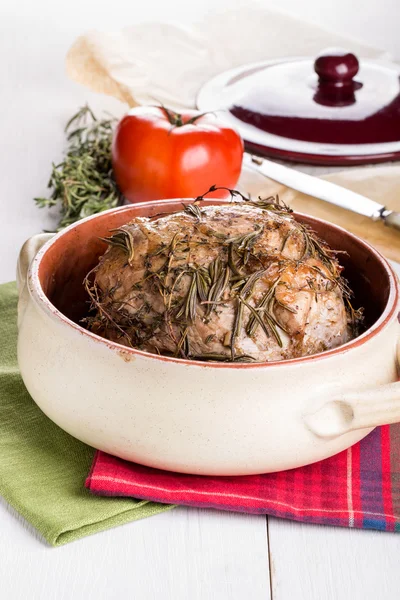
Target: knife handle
393	220
314	186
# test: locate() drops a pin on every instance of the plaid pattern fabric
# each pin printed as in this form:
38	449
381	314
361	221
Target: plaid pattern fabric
359	487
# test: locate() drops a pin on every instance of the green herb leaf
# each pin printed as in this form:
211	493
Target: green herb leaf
83	183
122	238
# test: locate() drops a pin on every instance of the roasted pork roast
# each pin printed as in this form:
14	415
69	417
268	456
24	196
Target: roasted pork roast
242	281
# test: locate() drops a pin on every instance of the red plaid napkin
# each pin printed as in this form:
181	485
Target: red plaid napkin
359	487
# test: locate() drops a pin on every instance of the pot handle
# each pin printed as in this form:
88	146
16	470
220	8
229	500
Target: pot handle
356	410
27	253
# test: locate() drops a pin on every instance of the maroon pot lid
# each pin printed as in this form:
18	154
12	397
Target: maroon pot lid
335	108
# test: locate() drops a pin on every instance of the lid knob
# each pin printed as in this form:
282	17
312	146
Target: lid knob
336	67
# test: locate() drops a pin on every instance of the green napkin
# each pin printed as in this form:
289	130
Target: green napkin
42	468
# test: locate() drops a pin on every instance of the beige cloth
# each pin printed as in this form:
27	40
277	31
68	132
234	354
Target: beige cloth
159	62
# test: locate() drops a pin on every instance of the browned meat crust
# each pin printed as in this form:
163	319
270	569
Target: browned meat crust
243	281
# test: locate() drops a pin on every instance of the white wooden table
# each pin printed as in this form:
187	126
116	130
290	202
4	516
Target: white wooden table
186	553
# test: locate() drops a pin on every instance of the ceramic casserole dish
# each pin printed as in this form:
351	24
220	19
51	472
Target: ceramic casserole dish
197	417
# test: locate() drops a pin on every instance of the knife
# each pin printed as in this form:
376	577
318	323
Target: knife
324	190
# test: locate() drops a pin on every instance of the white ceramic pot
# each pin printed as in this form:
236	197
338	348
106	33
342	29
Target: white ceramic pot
194	417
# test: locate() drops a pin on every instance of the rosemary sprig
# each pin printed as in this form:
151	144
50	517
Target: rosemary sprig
356	317
237	326
219	276
314	247
246	240
83	183
203	281
189	306
194	210
232	262
122	238
255	315
265	308
272	203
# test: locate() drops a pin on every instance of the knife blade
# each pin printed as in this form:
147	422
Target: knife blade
323	190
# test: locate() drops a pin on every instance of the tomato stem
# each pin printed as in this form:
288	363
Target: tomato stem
196	117
176	119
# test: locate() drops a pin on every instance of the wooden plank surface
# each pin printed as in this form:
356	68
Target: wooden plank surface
312	562
185	554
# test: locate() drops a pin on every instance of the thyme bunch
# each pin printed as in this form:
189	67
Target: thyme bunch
82	184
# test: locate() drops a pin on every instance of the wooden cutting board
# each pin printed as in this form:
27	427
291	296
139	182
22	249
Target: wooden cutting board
378	183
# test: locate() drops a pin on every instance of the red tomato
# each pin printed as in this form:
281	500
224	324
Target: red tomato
159	154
